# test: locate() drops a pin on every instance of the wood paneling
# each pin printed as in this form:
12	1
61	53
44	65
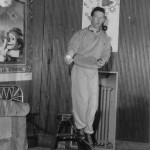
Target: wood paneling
54	23
51	79
38	17
134	71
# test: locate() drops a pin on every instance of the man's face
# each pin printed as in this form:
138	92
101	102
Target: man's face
97	19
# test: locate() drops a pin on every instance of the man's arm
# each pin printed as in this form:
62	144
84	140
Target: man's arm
73	47
105	54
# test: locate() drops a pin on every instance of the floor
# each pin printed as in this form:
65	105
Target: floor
39	148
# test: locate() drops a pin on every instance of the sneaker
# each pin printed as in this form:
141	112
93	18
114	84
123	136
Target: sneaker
88	139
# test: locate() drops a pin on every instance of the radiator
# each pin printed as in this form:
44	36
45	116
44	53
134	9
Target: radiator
102	133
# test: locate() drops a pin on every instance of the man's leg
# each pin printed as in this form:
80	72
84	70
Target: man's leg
93	102
79	96
93	85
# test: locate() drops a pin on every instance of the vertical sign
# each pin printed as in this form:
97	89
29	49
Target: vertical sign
112	13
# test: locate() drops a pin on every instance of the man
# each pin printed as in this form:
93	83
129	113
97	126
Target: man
89	49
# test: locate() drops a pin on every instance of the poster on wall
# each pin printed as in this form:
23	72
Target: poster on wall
112	13
12	40
13	29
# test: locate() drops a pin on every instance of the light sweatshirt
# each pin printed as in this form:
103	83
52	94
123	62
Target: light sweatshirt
87	47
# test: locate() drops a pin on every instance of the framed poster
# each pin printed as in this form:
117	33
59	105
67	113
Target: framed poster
12	34
112	13
13	37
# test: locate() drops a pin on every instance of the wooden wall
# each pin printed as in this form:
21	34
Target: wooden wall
54	22
133	66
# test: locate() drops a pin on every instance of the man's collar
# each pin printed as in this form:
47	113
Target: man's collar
90	28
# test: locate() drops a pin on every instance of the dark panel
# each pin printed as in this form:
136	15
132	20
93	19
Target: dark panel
38	13
133	67
59	20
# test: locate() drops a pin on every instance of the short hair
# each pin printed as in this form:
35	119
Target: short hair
16	30
97	9
104	27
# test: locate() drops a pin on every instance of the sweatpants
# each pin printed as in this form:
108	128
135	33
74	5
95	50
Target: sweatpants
85	91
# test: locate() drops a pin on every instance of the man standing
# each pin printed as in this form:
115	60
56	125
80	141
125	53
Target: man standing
89	49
